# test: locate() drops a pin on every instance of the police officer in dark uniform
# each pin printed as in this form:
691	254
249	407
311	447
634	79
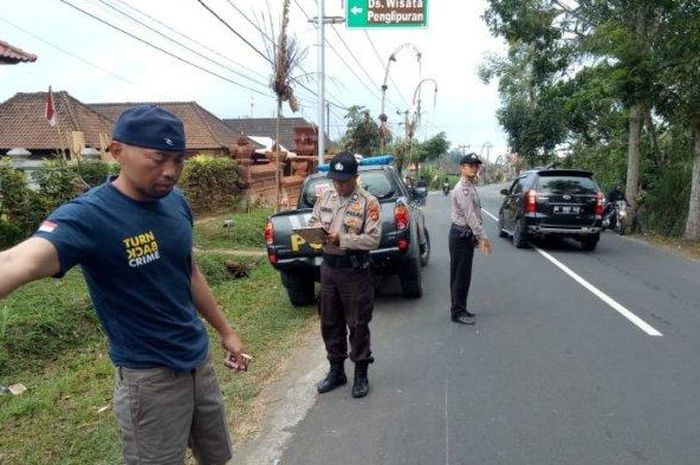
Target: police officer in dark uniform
351	218
467	232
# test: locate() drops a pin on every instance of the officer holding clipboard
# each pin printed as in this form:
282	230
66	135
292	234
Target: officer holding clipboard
351	218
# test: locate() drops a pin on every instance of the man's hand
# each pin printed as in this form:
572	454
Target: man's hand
485	246
333	239
235	358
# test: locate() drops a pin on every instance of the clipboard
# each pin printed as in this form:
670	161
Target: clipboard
312	235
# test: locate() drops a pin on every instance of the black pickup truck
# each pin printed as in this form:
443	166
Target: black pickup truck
404	247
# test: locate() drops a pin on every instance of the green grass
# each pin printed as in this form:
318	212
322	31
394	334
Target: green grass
247	231
42	320
63	361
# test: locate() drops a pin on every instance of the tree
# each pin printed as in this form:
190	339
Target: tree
679	61
362	134
561	40
432	148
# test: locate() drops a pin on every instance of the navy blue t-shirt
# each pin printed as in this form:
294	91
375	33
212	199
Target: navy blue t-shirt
137	260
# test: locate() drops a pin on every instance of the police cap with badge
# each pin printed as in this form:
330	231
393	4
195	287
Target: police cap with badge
151	127
470	159
343	167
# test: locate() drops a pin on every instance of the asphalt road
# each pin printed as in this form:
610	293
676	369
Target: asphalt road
551	373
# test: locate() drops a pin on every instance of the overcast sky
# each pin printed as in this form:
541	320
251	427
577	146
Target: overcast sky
105	65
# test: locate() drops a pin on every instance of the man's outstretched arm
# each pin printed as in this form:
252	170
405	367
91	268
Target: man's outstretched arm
28	261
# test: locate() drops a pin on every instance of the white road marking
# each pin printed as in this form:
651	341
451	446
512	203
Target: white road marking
641	324
489	214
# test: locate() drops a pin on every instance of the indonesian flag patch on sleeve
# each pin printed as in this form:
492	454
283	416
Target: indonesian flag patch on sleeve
47	226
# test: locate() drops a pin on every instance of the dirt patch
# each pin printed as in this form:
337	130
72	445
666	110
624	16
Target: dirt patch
238	252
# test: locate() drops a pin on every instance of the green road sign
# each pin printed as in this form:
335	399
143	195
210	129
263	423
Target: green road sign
386	13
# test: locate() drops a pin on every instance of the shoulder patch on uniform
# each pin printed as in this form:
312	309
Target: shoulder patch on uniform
373	210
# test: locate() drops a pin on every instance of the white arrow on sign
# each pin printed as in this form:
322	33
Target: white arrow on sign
356	10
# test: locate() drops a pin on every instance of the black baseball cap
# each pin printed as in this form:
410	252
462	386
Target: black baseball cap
470	159
343	167
152	127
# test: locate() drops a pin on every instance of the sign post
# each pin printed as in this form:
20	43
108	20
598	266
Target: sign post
386	13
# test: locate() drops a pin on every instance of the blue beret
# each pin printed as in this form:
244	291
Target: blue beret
151	127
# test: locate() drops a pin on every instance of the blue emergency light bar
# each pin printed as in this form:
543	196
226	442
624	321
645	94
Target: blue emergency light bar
371	161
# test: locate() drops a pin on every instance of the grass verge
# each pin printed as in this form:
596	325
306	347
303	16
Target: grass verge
246	232
689	249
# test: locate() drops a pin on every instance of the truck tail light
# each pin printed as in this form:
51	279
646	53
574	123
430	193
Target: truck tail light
401	216
269	233
599	205
531	202
402	244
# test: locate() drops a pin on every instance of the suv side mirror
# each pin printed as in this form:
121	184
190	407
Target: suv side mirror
505	192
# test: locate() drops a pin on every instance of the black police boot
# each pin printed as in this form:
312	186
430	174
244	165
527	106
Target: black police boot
335	378
360	387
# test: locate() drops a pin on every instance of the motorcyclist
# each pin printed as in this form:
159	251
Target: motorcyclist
446	186
615	195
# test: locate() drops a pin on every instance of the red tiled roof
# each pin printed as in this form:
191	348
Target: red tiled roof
22	122
266	127
11	55
203	130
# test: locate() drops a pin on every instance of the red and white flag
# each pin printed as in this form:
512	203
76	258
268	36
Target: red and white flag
47	226
50	110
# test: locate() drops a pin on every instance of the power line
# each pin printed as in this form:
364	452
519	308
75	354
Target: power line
340	57
185	46
266	37
352	54
209	49
271	41
201	68
256	26
234	31
128	81
381	62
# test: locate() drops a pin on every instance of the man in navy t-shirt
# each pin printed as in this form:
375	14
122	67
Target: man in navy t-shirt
132	237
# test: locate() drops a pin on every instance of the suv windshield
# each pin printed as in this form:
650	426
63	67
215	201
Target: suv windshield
376	182
566	185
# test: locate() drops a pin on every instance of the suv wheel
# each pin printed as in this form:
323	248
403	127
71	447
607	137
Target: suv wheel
519	234
589	243
410	278
501	232
300	289
425	250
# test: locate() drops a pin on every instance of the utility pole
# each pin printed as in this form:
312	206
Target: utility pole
320	22
463	148
328	118
321	78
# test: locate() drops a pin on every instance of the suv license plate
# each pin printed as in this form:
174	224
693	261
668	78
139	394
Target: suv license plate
566	210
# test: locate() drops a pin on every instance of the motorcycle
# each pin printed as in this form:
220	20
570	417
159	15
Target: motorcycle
445	189
616	217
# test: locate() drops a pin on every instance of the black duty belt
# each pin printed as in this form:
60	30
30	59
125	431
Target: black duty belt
351	260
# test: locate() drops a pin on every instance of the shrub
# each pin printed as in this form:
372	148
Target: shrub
21	209
433	175
211	184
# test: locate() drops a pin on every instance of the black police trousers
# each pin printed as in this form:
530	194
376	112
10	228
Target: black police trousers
346	304
462	244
